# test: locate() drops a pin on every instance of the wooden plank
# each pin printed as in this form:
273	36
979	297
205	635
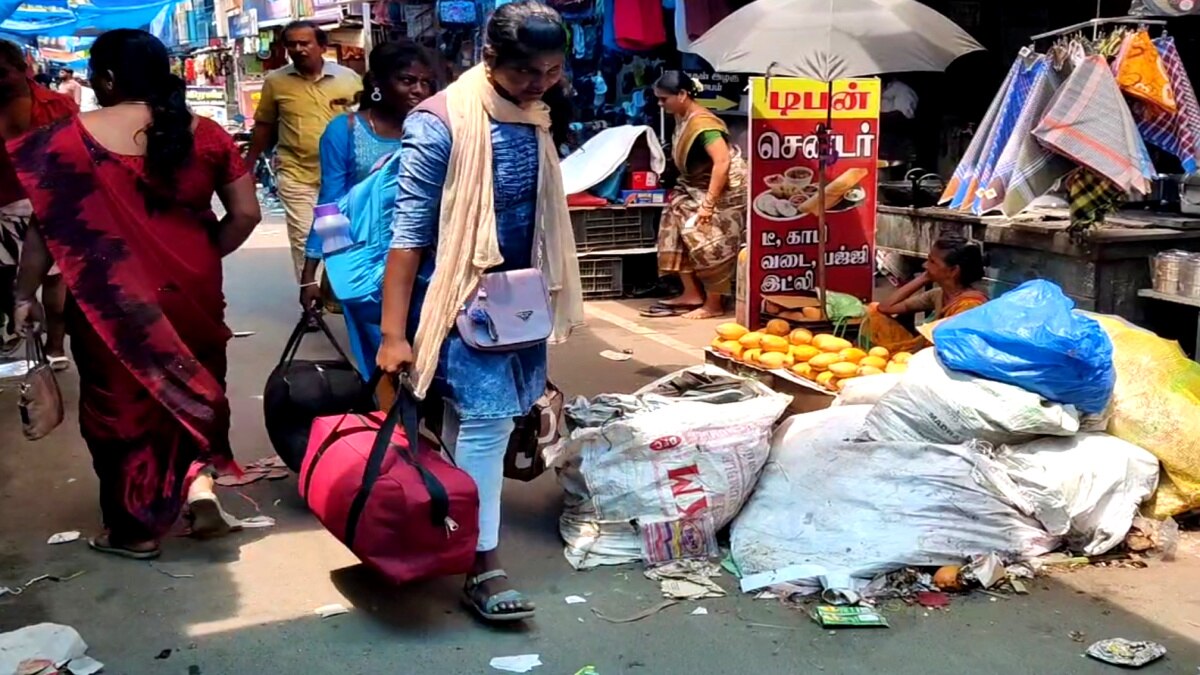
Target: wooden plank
1013	265
1167	297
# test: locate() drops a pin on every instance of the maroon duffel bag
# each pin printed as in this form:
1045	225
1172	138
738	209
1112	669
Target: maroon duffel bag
408	513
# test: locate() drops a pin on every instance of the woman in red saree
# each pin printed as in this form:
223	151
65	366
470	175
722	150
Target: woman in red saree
121	198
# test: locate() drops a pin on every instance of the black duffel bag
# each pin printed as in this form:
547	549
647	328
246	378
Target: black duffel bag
299	391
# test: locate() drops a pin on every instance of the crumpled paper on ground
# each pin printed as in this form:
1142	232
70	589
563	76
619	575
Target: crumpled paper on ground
687	579
516	664
53	642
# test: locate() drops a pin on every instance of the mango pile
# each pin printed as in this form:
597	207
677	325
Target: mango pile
825	359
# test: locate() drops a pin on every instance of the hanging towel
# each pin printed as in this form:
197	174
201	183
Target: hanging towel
639	24
1027	169
683	41
1010	112
1177	133
1090	123
1141	74
965	171
610	29
1092	198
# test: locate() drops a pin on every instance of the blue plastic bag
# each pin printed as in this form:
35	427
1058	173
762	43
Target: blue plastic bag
1031	337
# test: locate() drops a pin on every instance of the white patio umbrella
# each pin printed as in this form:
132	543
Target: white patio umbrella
833	39
828	40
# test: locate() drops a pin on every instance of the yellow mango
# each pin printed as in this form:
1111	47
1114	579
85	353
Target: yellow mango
835	345
751	356
873	362
716	343
751	340
771	360
803	370
880	352
778	327
852	354
826	379
788	360
802	353
811	313
820	339
823	361
734	349
844	369
800	336
731	331
865	371
901	357
774	343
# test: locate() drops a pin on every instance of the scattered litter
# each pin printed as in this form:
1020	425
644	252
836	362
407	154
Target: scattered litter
169	573
767	595
1019	586
517	664
687	580
761	580
243	333
63	538
256	522
1077	636
645	613
933	599
1157	536
575	599
17	590
587	670
828	616
85	665
329	611
700	611
269	468
34	666
61	645
948	578
72	480
986	570
616	356
730	565
164	655
1127	653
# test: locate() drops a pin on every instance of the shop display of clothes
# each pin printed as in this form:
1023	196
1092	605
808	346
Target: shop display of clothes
639	24
1080	116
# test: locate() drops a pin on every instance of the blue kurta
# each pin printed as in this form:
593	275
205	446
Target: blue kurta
480	385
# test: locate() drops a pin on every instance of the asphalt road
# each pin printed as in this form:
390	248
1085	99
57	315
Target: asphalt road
248	604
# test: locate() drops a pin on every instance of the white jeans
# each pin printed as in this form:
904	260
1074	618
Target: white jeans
478	447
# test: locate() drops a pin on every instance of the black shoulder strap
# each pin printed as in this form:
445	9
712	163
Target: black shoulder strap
404	410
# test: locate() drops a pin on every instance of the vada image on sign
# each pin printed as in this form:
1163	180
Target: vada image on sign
794	194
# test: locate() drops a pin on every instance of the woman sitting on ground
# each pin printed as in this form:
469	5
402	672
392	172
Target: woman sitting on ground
955	268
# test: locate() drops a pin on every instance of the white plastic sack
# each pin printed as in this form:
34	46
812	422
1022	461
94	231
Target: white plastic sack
865	390
1086	488
837	509
684	458
933	404
50	641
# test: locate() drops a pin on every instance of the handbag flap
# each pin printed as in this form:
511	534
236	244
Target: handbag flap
517	305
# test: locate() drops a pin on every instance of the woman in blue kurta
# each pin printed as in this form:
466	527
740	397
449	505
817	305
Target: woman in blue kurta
353	146
508	116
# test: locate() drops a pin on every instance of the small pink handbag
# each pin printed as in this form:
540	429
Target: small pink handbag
510	311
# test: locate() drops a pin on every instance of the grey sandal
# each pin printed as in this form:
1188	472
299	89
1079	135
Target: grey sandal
487	608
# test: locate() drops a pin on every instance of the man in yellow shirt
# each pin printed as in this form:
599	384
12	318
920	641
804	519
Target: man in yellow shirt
297	103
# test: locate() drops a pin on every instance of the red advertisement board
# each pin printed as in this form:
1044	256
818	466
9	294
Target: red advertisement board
782	238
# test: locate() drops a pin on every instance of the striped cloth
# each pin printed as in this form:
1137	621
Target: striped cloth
1177	133
1090	123
1092	198
955	191
1026	169
1010	112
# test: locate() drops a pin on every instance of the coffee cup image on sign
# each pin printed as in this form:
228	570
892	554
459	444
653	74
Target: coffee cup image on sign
841	194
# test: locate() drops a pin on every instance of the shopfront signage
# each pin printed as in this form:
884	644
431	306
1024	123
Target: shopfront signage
782	235
208	102
722	91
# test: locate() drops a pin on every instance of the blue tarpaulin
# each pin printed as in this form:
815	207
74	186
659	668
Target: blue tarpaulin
53	18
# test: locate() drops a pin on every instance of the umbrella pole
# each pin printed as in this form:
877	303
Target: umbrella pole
825	147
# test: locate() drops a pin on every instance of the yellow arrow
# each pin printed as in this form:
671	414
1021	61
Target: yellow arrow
718	103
